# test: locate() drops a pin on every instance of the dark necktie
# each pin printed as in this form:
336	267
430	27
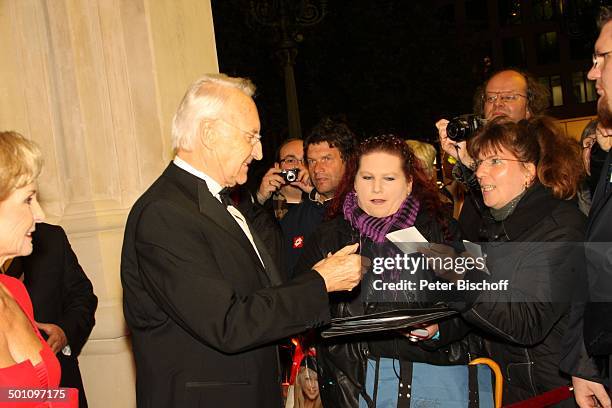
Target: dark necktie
224	195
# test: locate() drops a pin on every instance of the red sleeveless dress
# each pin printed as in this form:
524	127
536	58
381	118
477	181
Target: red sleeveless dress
44	375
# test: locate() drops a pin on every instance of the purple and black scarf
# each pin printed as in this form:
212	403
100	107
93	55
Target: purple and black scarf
377	228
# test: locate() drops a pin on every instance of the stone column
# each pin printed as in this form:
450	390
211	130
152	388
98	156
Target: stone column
95	83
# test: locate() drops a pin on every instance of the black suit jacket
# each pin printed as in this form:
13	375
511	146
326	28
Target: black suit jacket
597	323
588	340
203	312
61	294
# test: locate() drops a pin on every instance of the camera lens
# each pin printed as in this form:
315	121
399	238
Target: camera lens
457	129
291	176
463	127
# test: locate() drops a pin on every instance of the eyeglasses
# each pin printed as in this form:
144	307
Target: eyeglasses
493	162
599	57
505	97
292	161
588	142
254	137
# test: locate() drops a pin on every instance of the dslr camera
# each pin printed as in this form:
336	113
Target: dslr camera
290	175
463	127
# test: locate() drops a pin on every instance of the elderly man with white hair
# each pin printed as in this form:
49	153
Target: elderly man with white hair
202	296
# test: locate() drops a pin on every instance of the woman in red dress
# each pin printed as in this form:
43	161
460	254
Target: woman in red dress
29	371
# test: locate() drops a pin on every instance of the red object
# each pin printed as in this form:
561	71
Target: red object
545	400
298	356
44	375
298	242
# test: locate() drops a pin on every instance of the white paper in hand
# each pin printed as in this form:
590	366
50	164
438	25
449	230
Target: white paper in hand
407	239
473	249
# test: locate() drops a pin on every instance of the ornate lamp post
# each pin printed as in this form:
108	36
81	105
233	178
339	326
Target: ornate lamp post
286	19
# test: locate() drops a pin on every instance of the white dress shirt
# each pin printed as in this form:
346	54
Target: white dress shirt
214	189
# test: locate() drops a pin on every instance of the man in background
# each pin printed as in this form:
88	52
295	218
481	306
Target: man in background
590	327
327	148
279	193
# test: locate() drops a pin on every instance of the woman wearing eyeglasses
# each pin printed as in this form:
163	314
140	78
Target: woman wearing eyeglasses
528	174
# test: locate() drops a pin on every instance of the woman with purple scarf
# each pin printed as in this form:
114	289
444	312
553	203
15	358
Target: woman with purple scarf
385	189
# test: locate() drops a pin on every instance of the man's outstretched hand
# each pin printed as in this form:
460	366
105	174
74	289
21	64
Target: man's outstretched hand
342	270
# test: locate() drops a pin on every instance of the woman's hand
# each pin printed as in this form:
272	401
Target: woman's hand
421	332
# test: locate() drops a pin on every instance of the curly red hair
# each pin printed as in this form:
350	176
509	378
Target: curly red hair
423	188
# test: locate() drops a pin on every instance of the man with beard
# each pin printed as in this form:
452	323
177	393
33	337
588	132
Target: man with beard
591	326
508	92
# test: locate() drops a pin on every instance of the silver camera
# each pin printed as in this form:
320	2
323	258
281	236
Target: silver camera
290	175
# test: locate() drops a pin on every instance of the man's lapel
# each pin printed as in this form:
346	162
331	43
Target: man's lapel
217	213
270	269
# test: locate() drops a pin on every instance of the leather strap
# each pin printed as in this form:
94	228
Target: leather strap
474	400
372	401
405	384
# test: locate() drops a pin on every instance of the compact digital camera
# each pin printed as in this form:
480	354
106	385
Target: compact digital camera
290	175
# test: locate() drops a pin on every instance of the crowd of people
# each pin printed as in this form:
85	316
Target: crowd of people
213	282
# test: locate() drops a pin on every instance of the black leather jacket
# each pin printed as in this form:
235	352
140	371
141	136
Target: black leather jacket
525	338
342	360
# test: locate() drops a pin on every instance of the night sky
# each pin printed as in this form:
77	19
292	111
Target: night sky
384	66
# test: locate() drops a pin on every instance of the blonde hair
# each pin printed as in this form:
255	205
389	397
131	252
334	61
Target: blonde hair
426	153
204	100
20	162
298	394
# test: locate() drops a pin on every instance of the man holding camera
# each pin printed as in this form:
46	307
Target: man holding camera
510	93
286	181
327	148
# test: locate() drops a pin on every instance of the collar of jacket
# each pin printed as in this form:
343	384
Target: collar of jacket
213	209
536	204
314	195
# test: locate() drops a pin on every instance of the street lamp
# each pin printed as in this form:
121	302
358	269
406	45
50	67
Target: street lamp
286	19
